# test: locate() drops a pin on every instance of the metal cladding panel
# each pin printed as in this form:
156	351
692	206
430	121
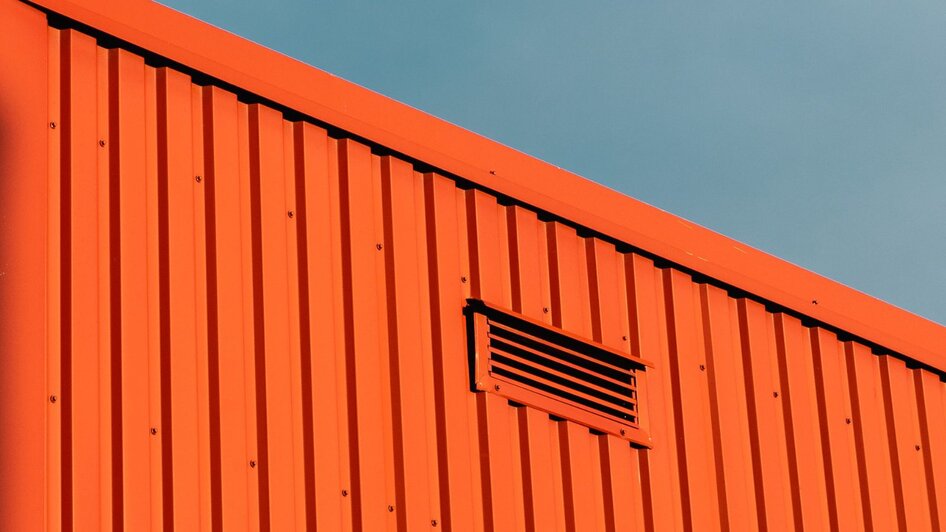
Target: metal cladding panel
254	323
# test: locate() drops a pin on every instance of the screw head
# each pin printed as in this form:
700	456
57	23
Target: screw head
463	279
433	522
917	447
102	143
52	125
847	420
496	387
53	399
545	310
291	214
379	246
390	508
774	394
197	178
814	301
252	463
344	493
154	431
492	172
623	432
702	367
624	338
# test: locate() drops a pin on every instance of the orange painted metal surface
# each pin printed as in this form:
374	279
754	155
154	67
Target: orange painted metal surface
24	133
219	315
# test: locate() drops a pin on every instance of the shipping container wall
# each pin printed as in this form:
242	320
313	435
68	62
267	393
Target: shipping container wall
255	323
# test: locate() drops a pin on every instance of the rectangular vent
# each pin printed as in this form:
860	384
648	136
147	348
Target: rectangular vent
570	377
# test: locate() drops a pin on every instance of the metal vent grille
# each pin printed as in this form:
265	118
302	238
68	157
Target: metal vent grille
567	376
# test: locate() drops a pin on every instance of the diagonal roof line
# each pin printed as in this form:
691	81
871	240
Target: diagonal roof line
399	127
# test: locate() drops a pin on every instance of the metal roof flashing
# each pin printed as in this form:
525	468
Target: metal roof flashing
328	99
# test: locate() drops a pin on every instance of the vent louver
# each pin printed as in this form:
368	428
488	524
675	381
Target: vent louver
531	363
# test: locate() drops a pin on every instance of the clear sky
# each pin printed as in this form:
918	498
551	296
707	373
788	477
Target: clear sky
815	131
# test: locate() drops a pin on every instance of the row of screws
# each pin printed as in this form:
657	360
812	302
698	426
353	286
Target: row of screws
433	522
847	420
291	214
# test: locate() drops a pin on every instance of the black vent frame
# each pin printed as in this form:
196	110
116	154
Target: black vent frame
570	377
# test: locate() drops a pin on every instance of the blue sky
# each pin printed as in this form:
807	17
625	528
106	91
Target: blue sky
815	131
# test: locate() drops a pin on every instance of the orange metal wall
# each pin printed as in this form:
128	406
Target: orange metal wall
254	324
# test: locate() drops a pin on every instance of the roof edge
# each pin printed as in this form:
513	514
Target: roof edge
327	98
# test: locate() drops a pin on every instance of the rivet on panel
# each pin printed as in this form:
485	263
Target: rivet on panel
624	338
917	447
52	398
102	143
702	367
847	420
52	125
774	394
433	522
492	172
379	246
390	508
496	387
197	178
154	431
291	214
344	493
252	463
463	279
545	310
814	301
623	432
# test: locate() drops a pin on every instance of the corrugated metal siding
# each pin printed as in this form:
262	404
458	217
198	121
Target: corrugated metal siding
254	324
